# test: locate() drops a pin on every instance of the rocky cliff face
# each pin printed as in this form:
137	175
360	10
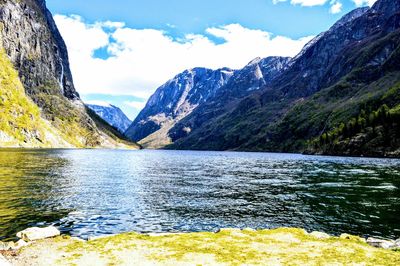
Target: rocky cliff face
346	69
33	44
244	82
173	101
112	115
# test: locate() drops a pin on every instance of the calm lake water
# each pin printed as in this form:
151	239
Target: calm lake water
97	192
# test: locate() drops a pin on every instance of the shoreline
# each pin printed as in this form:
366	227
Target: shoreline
198	150
281	246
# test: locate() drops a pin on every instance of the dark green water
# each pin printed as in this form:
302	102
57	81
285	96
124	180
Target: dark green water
97	192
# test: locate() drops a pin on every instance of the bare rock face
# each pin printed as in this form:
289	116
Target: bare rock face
35	46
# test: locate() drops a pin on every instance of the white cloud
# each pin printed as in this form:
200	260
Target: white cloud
99	103
336	7
136	105
309	2
364	2
143	59
303	2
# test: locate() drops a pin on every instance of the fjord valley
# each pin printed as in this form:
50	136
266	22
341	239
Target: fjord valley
39	104
222	164
339	95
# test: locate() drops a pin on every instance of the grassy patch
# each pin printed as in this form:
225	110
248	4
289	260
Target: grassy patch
287	246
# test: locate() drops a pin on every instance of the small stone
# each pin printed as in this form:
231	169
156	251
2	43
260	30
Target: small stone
381	243
320	235
20	243
36	233
11	245
235	232
351	237
248	229
228	230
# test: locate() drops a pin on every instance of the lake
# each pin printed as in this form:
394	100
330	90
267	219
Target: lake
99	192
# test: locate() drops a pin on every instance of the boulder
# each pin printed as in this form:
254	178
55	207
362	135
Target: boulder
36	233
320	235
381	243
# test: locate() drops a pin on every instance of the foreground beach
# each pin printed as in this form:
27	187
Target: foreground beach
283	246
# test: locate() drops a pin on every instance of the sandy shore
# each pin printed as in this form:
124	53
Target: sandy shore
282	246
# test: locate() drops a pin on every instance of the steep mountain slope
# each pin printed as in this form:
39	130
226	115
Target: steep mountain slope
20	122
257	74
173	101
112	115
37	51
197	95
339	73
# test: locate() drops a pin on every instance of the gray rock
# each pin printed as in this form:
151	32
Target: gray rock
20	244
381	243
36	233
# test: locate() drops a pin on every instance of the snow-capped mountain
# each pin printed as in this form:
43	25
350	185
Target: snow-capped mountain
111	114
175	100
194	91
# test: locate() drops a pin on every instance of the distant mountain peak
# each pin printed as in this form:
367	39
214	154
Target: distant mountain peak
113	115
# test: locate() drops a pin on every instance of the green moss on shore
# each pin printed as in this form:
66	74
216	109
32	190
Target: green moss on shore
283	246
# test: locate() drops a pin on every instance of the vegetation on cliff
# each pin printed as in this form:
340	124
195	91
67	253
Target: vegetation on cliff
20	122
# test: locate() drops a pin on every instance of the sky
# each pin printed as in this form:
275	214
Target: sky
121	51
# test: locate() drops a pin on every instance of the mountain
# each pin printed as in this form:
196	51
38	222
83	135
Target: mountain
197	95
39	104
339	95
112	115
251	79
172	102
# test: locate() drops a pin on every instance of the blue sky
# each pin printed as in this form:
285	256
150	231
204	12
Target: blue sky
121	51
